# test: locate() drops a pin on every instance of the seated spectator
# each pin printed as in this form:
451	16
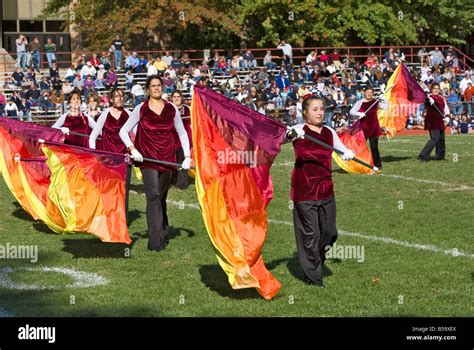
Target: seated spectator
167	58
34	95
45	102
54	71
67	89
89	86
11	109
250	61
464	125
138	94
95	62
18	76
268	61
132	62
111	80
25	110
142	64
160	66
88	69
56	83
100	78
129	78
104	59
168	84
78	84
71	73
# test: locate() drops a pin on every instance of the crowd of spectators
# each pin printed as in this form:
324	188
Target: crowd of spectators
274	86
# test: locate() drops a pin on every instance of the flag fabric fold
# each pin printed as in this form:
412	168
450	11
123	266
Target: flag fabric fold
234	148
69	188
88	187
353	138
403	100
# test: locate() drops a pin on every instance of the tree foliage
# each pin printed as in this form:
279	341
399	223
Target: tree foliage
160	24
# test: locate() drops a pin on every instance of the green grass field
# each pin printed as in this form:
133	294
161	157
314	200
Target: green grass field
408	220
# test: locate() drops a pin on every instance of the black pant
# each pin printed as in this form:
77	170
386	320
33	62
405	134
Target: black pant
127	189
180	176
437	139
156	189
315	230
374	149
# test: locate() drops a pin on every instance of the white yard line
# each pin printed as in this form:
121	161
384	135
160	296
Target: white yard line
424	142
459	187
418	246
428	247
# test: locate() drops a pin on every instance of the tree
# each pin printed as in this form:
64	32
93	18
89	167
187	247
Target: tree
141	23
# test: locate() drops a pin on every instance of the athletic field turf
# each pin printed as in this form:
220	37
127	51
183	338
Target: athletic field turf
413	223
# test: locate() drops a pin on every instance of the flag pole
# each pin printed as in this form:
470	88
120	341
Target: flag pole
357	160
151	160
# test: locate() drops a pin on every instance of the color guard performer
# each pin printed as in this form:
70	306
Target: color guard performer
75	121
436	110
110	122
366	109
314	212
156	119
180	177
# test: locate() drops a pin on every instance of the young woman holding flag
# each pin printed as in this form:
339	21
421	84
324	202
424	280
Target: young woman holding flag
314	212
156	119
110	121
180	177
75	121
366	110
436	110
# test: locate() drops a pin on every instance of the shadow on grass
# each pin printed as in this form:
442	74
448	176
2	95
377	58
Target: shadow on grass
37	303
216	280
90	248
294	267
172	234
392	159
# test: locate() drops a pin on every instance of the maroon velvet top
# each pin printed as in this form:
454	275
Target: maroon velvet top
312	177
370	123
155	136
434	120
111	140
185	111
78	124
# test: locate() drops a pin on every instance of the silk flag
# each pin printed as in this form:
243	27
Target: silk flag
234	148
29	180
403	100
88	187
353	138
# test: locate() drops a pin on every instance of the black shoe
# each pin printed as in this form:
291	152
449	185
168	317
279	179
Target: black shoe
311	283
423	159
438	158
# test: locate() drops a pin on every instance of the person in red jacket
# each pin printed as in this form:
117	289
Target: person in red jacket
312	189
180	177
436	110
366	109
75	121
156	120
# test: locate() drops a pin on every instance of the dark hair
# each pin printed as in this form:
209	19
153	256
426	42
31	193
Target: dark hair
308	100
433	86
368	88
74	92
114	91
150	78
179	93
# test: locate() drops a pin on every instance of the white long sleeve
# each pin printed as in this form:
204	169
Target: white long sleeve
131	123
98	128
60	122
355	108
337	143
183	135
